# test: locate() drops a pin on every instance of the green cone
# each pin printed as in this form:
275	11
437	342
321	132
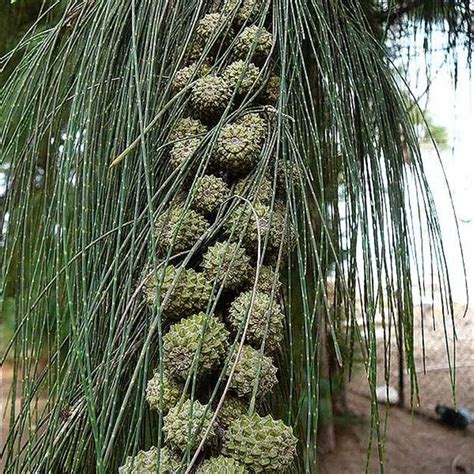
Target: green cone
259	190
256	40
243	10
185	339
179	228
190	293
238	148
271	223
228	263
265	319
187	127
145	462
221	465
169	390
260	443
268	281
186	425
210	192
231	409
271	92
209	98
242	77
251	364
182	152
184	76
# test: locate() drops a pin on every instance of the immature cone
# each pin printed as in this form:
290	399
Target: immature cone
227	263
212	27
221	465
242	77
252	364
261	443
271	92
268	281
184	76
254	42
238	148
265	319
187	128
210	193
244	10
179	228
191	292
163	389
231	409
255	124
209	98
199	337
185	426
145	462
247	221
258	189
181	152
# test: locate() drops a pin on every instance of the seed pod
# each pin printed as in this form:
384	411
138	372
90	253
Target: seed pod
185	425
254	42
198	339
260	443
227	263
265	319
191	292
252	367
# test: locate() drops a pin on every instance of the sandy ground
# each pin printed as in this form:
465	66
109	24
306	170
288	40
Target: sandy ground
414	444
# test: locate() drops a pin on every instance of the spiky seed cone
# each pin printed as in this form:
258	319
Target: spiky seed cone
197	336
209	98
254	124
243	10
169	390
287	175
252	364
184	76
227	263
242	77
237	149
182	152
268	281
221	465
145	462
271	92
231	409
256	40
261	443
190	293
260	189
180	228
210	193
187	128
265	319
271	223
212	27
185	425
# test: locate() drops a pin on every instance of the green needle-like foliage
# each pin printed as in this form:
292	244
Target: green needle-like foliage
93	103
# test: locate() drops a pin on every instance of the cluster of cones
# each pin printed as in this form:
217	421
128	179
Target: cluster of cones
230	290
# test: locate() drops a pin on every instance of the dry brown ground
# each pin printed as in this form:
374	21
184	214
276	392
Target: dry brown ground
414	444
